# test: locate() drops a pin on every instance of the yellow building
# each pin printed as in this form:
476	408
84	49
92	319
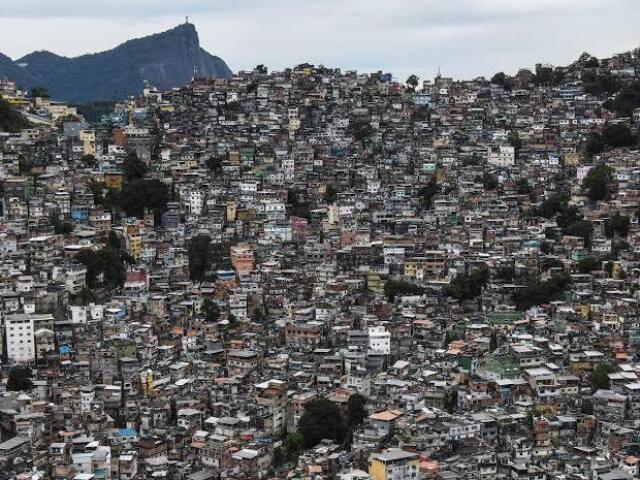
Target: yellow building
88	139
232	208
394	465
617	270
113	180
582	310
146	382
375	283
234	157
429	264
57	109
573	159
17	101
133	237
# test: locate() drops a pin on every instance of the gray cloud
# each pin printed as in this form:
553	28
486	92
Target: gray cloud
464	37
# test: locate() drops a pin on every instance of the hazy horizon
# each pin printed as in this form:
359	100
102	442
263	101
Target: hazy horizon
400	37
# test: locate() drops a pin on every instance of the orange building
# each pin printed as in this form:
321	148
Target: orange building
242	258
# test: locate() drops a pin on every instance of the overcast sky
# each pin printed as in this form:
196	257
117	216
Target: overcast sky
465	38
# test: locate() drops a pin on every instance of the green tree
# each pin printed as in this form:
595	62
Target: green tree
113	241
523	187
594	144
134	168
608	267
139	194
412	81
489	182
600	376
321	420
19	379
38	92
427	192
543	75
580	228
599	84
259	316
105	266
538	293
468	286
210	310
493	341
506	274
293	445
356	411
589	61
89	160
60	227
502	80
214	164
421	114
618	136
598	183
10	120
296	207
360	129
617	225
549	263
451	400
589	264
330	194
514	140
393	288
200	257
626	101
83	297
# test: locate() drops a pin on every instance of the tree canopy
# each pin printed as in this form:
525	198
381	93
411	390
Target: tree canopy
297	208
468	286
321	420
617	225
412	81
356	412
599	84
200	257
502	80
618	136
140	194
134	168
594	144
539	292
330	194
580	228
19	378
600	376
626	101
11	120
104	267
428	191
38	91
210	310
589	264
393	288
598	182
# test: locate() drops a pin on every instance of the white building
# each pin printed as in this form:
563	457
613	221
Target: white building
501	156
19	333
380	339
196	202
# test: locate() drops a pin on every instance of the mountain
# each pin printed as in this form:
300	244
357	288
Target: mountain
165	59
